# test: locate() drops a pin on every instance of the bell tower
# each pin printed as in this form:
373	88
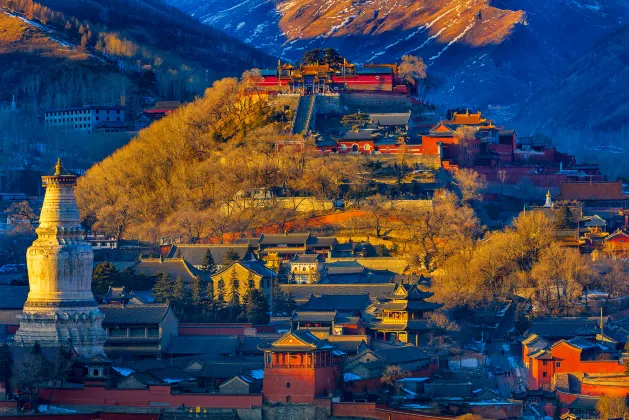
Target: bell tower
60	309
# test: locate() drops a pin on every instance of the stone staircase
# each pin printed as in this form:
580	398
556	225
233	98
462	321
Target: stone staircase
303	117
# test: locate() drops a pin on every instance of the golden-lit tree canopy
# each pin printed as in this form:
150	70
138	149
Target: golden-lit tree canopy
182	174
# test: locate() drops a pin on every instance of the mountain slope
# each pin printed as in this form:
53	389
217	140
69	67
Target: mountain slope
591	95
164	51
484	52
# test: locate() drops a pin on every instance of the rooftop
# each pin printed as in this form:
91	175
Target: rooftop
133	314
195	254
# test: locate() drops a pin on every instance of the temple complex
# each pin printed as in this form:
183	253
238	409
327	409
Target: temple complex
322	78
60	309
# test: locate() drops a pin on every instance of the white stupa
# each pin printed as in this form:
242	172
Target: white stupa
60	309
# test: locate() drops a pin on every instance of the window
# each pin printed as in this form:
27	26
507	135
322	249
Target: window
118	332
287	384
558	364
545	374
251	284
545	362
136	332
95	373
153	332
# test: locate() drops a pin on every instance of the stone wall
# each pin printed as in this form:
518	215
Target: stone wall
329	104
378	100
295	411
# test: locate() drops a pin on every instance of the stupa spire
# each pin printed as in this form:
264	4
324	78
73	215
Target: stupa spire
60	308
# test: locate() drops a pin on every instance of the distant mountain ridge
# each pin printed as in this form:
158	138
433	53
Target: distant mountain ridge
484	52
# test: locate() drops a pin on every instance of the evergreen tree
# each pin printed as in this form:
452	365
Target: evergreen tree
104	276
208	265
292	278
209	291
256	307
179	291
234	284
6	364
196	289
563	218
220	290
163	288
282	303
250	281
230	257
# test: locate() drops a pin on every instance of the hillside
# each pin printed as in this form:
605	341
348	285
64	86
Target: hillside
164	52
590	95
484	52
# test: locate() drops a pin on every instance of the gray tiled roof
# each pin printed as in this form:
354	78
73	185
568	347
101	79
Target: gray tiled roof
564	327
402	354
306	258
289	239
311	316
173	266
343	267
195	254
393	119
133	314
302	292
190	345
337	302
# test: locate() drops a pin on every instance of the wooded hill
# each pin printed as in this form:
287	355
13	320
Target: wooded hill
164	52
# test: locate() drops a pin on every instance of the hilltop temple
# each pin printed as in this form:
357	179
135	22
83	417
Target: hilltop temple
60	309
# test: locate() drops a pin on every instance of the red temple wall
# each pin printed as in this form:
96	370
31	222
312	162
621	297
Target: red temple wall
145	397
302	384
598	389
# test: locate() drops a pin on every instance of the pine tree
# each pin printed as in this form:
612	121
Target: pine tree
104	275
196	289
256	307
250	281
234	283
220	290
179	291
282	303
163	288
563	218
209	291
230	257
208	265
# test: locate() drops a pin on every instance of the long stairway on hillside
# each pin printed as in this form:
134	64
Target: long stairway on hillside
304	114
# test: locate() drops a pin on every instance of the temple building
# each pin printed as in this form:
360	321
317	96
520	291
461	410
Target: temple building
322	78
402	318
60	309
298	367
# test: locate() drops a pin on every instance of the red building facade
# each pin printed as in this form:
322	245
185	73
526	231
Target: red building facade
298	367
573	356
